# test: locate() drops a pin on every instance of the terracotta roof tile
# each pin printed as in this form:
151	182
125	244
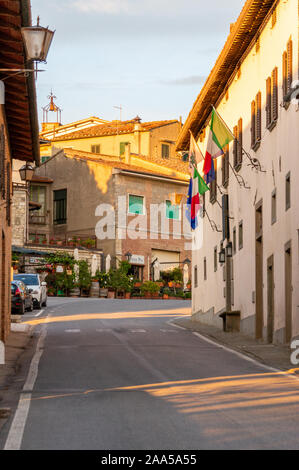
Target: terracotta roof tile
115	127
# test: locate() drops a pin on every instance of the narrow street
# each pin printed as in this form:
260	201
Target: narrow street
115	374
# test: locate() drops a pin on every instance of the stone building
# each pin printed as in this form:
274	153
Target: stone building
18	134
107	201
252	87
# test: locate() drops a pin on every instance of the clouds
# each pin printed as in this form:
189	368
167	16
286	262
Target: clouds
151	56
192	80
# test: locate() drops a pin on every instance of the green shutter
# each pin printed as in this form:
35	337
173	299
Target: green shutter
172	211
135	204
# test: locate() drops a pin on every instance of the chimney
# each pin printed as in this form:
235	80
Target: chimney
128	154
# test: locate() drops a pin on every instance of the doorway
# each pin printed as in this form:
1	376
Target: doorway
270	295
259	310
288	292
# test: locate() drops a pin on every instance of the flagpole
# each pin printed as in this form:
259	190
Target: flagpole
254	162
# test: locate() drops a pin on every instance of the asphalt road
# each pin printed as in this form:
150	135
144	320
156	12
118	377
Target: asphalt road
117	375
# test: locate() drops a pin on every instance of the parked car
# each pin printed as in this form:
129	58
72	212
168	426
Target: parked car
21	298
39	289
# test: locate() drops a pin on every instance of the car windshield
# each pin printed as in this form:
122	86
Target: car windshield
28	279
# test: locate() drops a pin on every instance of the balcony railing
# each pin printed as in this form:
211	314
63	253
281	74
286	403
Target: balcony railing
65	240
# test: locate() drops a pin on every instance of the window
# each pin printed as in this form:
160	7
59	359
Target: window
272	99
225	167
205	269
136	204
213	185
240	235
288	191
185	156
215	259
195	277
38	195
234	241
273	207
60	206
165	151
256	121
122	147
172	211
287	68
44	159
274	17
95	148
237	145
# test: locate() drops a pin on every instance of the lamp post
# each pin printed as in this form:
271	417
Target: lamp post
26	172
128	255
37	41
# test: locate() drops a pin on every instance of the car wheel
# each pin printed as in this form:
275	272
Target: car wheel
44	304
37	305
22	309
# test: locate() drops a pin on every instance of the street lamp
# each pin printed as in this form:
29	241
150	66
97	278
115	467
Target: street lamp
37	41
26	172
187	261
229	250
222	256
128	256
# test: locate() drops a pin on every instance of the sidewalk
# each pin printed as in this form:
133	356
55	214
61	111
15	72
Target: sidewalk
272	355
15	346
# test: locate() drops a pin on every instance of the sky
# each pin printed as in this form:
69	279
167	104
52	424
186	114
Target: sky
151	57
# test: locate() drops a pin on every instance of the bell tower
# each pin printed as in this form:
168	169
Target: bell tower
51	108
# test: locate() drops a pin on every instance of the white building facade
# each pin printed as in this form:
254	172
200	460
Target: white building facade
252	86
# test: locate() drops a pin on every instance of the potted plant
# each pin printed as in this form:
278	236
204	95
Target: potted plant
84	278
166	293
150	289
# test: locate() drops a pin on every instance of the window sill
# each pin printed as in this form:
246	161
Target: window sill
271	126
238	167
256	146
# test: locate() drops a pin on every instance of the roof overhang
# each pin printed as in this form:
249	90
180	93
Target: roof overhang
20	93
242	34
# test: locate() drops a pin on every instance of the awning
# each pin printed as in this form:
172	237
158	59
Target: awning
28	251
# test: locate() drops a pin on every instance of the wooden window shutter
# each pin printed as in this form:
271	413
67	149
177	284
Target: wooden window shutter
235	146
274	99
2	162
240	142
284	73
252	124
225	167
258	116
268	102
8	194
289	64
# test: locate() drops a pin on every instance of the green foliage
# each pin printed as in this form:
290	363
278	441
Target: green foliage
84	278
119	280
150	286
103	278
174	274
62	258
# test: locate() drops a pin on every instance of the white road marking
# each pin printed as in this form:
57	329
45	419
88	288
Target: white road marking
73	331
168	331
15	435
39	313
233	351
138	331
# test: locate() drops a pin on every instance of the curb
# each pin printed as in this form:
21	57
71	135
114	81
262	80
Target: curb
188	325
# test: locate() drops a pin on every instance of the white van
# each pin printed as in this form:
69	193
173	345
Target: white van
38	288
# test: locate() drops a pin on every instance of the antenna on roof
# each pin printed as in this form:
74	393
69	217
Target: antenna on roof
120	110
